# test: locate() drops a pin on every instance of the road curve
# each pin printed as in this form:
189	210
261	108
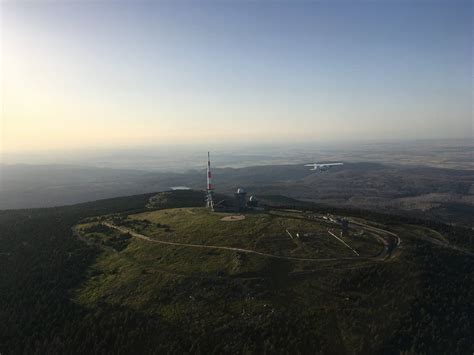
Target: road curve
241	250
390	247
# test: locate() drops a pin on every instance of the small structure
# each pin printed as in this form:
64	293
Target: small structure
241	199
238	204
253	201
179	188
344	227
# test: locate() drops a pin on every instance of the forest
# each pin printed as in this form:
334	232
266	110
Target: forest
426	296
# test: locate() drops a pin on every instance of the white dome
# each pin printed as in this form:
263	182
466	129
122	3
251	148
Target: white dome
240	190
253	198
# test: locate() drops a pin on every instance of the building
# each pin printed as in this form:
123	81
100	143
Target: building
253	201
238	204
241	199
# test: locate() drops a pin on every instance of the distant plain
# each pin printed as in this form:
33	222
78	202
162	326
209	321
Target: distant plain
428	179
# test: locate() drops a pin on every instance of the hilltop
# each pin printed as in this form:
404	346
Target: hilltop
158	273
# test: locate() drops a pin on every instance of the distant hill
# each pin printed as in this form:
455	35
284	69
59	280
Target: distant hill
423	192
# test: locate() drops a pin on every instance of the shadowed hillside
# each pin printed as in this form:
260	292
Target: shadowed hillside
111	292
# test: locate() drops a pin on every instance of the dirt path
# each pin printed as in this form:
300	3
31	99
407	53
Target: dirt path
239	217
390	245
443	242
344	243
241	250
391	241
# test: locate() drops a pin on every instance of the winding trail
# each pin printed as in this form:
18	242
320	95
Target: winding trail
344	243
390	246
381	256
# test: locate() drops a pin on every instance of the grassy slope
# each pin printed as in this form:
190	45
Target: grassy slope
346	306
149	298
261	231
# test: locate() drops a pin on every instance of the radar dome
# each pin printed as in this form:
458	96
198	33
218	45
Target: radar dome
240	190
253	198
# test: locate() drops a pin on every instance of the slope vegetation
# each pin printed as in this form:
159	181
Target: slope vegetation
78	279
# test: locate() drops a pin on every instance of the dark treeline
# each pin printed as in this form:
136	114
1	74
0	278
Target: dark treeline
42	263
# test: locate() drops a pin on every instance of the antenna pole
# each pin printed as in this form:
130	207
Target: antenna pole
209	200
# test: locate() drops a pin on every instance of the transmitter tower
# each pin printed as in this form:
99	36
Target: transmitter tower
210	188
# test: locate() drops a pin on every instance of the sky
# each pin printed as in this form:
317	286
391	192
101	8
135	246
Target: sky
86	74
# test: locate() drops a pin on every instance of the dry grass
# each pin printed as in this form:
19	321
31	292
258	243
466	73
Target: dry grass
233	218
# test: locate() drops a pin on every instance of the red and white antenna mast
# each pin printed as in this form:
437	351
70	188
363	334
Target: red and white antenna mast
209	199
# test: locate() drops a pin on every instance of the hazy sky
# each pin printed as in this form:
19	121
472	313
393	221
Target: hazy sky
85	74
